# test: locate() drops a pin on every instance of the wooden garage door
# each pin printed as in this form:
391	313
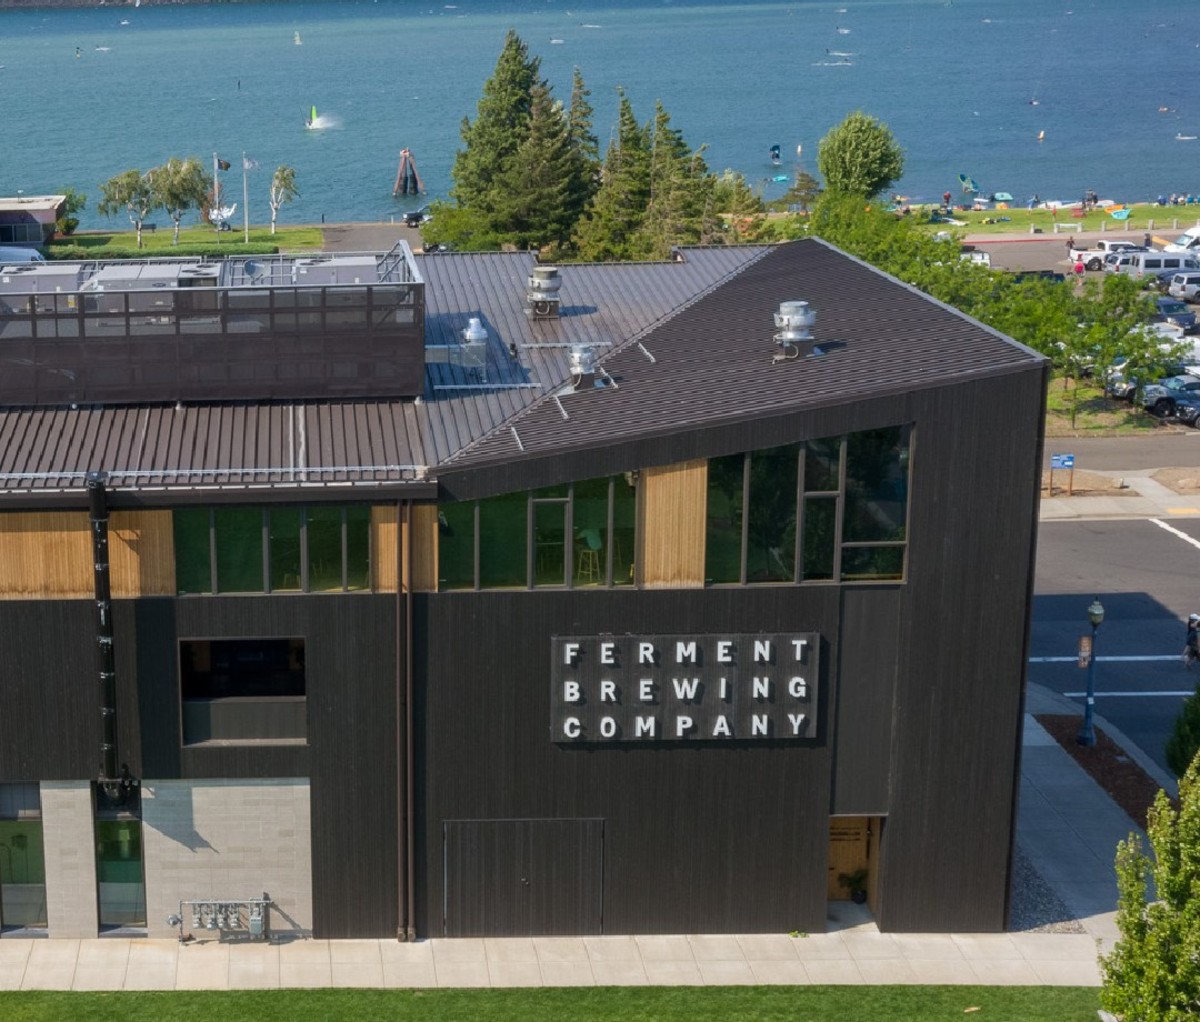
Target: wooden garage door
508	878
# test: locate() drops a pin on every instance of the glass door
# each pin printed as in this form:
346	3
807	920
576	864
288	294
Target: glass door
119	873
22	876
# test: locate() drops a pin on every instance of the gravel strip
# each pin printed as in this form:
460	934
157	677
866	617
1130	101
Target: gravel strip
1035	907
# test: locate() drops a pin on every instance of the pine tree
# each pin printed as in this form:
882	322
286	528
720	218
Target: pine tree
680	186
532	201
501	125
611	227
585	172
1153	973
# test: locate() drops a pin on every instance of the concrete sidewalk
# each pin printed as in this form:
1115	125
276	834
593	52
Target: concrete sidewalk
1067	827
1141	497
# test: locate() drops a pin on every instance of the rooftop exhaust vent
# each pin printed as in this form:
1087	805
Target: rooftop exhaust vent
794	322
582	365
541	292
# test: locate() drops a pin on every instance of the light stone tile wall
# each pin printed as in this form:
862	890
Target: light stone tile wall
225	840
70	846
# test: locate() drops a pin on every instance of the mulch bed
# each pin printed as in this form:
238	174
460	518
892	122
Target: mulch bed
1127	783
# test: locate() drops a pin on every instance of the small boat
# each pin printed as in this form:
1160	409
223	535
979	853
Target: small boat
1041	136
1181	137
556	42
843	31
296	39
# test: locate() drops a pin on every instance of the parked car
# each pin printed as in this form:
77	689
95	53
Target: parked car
1172	310
1161	398
12	254
1185	286
1187	411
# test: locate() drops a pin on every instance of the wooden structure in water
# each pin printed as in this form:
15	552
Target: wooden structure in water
408	181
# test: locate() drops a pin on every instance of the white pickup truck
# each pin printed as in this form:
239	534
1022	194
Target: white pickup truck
1093	258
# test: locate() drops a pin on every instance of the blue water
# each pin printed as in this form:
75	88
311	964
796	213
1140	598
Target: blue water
955	81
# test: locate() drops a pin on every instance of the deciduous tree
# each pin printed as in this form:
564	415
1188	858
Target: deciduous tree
180	185
134	193
1153	972
860	156
283	189
67	220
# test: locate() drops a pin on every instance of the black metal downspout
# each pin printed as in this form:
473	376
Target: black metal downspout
406	929
115	782
410	826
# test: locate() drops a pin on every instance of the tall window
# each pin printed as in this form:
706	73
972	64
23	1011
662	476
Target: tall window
832	509
22	860
272	550
579	535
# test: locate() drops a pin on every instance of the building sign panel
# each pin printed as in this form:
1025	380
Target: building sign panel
684	688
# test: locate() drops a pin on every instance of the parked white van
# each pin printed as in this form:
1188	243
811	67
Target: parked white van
1185	286
1188	241
1154	264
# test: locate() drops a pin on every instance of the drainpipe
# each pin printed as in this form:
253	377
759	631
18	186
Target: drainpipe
410	828
405	787
116	783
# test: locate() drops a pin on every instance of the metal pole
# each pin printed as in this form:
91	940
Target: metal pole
1087	735
245	199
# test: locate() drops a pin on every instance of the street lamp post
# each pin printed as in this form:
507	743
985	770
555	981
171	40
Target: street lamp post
1087	735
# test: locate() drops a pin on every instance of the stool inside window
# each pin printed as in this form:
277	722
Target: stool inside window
588	565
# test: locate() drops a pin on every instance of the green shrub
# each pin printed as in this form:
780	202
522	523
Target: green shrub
83	253
1184	742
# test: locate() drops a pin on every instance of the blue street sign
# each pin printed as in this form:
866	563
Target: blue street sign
1062	461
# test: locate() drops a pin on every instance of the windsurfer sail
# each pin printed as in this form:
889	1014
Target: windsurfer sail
311	122
408	181
775	156
968	184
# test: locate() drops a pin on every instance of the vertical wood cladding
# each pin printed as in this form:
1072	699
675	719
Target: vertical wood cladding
672	521
385	535
350	659
424	548
47	554
720	838
963	636
862	729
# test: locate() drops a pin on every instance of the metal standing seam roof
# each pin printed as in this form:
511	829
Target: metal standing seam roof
321	444
713	362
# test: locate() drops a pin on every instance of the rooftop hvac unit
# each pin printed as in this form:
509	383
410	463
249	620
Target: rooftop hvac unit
541	292
471	353
794	322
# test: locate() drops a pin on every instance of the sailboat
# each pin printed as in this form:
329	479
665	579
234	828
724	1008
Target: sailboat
296	39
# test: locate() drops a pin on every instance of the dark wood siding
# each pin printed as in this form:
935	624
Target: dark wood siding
862	732
713	839
520	878
350	654
963	637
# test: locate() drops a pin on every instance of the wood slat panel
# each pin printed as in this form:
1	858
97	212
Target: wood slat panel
384	537
424	547
45	554
141	545
674	503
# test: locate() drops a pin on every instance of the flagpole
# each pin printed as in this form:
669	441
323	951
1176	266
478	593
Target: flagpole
245	198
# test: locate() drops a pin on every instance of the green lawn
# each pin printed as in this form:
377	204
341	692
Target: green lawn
159	243
626	1004
1095	414
1019	221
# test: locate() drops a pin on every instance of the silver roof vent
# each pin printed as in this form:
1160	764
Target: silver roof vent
794	322
541	292
582	365
474	332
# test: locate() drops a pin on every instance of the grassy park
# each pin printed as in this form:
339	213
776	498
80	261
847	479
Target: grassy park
591	1004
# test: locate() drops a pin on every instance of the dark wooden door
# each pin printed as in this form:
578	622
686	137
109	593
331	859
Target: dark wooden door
507	878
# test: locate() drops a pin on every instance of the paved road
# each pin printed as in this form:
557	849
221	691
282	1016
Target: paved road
1132	453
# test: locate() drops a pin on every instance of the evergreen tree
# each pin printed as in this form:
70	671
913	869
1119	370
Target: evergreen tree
680	187
501	125
860	157
533	203
612	225
585	174
1153	973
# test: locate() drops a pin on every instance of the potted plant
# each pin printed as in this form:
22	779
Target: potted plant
856	884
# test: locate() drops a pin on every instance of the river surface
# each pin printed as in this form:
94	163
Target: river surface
967	86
